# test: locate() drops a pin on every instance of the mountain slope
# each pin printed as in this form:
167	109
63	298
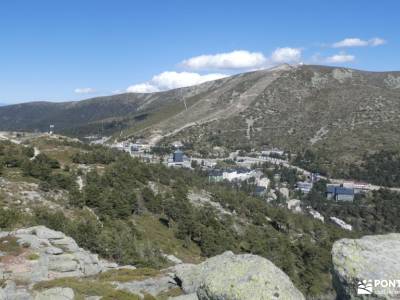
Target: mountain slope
343	110
135	111
340	112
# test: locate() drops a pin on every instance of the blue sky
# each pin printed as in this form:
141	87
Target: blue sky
71	50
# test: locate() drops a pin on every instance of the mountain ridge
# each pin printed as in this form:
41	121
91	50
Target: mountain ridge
290	107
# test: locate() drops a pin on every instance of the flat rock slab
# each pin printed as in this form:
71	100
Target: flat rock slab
369	258
236	277
57	293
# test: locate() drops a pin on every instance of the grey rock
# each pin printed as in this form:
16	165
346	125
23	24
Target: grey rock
93	298
67	243
107	265
43	232
63	263
152	286
32	241
185	297
54	251
56	293
173	259
11	292
237	277
369	258
188	276
3	234
129	267
59	256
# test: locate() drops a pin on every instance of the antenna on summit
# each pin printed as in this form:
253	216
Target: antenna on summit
51	129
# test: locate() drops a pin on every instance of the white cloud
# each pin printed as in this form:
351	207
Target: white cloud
238	59
171	80
242	60
350	42
142	88
377	42
356	42
84	90
340	58
286	55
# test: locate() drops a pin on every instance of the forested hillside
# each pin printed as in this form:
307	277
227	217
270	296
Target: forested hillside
133	213
136	213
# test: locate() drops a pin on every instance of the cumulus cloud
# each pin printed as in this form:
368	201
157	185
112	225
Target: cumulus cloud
340	58
242	60
84	90
286	55
356	42
377	42
142	88
238	59
171	80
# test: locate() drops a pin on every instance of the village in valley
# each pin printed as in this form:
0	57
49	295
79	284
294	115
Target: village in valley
267	174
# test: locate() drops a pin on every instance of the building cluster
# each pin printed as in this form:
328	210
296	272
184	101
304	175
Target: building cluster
240	174
307	185
273	152
345	191
179	159
139	149
143	150
339	193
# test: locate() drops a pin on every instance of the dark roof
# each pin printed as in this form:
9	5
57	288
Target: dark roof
344	191
338	190
260	189
215	173
303	184
331	189
242	170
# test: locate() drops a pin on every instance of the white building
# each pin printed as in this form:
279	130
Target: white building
264	182
238	175
272	151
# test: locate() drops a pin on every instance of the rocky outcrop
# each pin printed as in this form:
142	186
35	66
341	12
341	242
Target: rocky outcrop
185	297
236	277
47	254
10	291
57	293
342	224
40	254
152	286
367	265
